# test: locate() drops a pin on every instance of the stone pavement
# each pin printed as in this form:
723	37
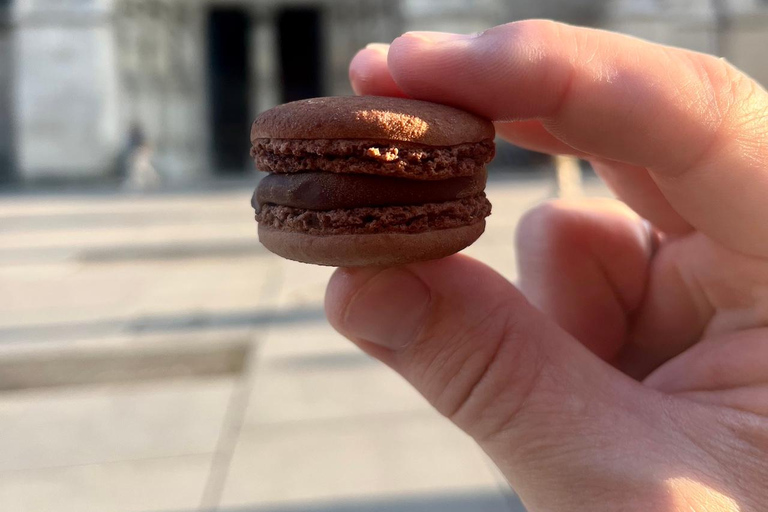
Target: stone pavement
153	357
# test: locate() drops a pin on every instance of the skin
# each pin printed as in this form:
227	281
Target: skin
630	370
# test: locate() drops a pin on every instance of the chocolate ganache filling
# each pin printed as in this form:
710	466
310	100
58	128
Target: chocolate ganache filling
331	191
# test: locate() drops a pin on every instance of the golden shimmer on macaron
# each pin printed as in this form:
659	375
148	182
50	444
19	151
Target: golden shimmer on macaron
370	181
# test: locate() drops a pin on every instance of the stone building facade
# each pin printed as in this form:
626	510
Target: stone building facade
734	29
82	81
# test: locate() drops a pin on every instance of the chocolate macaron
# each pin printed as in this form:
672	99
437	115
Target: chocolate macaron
370	181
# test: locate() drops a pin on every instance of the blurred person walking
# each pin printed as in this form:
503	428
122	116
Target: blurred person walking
141	174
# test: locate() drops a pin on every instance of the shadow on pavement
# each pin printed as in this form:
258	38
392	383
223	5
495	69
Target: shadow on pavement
469	502
73	221
161	324
234	248
177	251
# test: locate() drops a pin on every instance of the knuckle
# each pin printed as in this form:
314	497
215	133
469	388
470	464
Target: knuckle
531	43
725	83
738	99
483	375
741	108
528	30
450	359
726	106
535	51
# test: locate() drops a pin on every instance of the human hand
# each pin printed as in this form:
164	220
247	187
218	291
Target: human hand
633	372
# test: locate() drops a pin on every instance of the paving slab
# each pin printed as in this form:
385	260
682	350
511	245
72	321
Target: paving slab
150	485
325	429
75	426
330	385
352	458
312	336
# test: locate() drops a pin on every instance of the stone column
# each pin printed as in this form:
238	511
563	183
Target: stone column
182	152
65	89
162	63
265	72
348	25
339	34
7	158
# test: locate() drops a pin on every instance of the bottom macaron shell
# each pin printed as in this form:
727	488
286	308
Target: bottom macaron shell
369	250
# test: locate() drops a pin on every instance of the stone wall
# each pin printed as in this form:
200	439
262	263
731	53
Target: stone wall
734	29
78	76
349	26
745	37
162	83
65	93
163	76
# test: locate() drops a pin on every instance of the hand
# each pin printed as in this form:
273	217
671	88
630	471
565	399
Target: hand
632	372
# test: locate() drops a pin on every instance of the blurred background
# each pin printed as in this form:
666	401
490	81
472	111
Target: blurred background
153	357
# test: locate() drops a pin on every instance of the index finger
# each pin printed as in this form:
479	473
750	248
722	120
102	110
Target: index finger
692	120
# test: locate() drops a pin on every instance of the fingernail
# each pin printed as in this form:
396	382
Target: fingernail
389	309
379	47
436	37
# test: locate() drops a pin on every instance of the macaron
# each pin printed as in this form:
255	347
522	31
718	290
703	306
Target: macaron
370	181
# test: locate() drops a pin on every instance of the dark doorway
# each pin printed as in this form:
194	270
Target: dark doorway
300	52
228	65
6	95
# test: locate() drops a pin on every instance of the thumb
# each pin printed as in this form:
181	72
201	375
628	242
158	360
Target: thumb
484	357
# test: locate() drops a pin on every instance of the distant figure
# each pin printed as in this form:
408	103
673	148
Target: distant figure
141	173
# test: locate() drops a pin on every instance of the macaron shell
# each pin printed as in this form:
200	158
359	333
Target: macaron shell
372	117
382	249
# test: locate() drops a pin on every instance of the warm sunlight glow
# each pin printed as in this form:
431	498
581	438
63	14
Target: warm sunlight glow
690	495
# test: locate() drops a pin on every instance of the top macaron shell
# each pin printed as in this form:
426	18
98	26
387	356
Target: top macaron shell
372	117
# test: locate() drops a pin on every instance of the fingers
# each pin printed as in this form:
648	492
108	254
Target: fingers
752	399
636	187
692	120
727	370
441	324
676	308
532	135
597	91
484	357
736	360
459	332
585	264
369	75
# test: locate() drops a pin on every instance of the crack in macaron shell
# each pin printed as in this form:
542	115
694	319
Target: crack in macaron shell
383	158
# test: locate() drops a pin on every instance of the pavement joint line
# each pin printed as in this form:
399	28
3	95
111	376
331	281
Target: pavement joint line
118	253
234	417
172	322
112	462
424	413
